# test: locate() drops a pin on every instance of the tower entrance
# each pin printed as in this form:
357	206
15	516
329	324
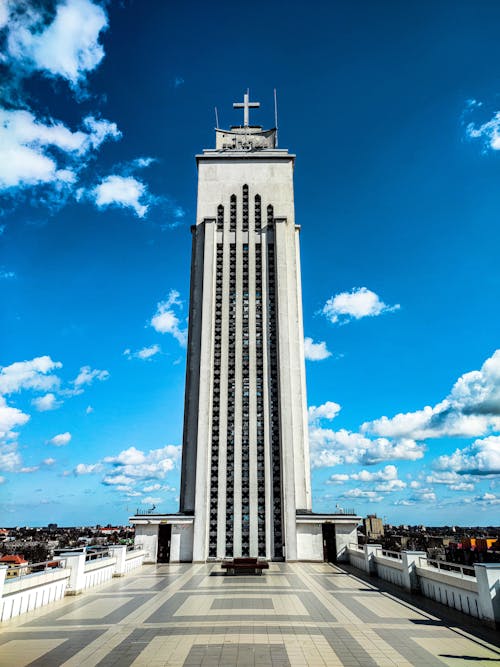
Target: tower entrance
164	540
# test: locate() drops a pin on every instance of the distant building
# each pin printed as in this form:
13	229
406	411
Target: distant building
17	565
374	527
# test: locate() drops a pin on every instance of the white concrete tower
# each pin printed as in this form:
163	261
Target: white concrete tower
245	466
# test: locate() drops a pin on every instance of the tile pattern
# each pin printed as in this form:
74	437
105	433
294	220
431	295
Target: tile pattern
296	615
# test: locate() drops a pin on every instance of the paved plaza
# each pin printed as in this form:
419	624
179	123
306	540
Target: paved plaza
297	614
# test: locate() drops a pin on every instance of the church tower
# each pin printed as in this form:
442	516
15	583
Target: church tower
245	477
245	466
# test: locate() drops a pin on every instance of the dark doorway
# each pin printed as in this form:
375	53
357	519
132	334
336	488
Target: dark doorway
329	543
164	537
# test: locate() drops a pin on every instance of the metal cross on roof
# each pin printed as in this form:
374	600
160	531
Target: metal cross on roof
246	105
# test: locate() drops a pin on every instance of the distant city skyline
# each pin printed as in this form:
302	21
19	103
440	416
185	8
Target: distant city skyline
394	114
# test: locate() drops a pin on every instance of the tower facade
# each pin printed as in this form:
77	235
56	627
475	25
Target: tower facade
245	466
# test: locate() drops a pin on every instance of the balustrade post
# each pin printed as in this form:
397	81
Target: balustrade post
119	551
76	563
488	588
371	550
410	560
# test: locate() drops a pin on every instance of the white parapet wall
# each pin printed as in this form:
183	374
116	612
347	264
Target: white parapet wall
450	588
31	591
473	590
76	572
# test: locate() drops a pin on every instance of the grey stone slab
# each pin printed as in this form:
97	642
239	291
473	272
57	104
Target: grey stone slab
242	603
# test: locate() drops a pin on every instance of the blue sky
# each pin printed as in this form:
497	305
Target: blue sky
393	110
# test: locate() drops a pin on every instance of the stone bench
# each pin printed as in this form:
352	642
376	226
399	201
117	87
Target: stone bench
244	566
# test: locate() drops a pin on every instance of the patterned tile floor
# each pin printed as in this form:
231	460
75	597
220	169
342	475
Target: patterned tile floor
295	615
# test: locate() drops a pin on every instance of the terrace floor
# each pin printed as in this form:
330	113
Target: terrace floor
296	614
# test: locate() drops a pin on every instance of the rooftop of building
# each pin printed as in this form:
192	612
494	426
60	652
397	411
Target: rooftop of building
297	614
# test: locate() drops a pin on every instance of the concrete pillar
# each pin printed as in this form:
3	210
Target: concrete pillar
119	551
3	574
410	560
488	587
76	563
371	550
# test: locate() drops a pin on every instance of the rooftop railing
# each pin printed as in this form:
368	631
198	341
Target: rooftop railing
455	568
391	554
16	572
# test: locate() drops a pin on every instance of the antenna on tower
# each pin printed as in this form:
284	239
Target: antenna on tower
216	118
276	115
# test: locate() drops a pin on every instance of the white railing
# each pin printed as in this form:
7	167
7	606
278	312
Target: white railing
391	554
452	568
356	547
30	569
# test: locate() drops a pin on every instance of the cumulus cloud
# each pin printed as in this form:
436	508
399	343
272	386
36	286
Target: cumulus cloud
327	411
10	418
165	320
60	440
329	448
123	192
471	409
7	275
144	353
480	458
488	133
361	494
359	302
34	374
46	402
315	351
87	469
134	463
384	480
48	461
67	46
85	378
37	152
10	460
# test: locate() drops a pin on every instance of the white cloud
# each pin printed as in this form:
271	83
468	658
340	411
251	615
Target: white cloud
315	351
387	479
10	459
117	480
144	353
85	378
60	440
122	191
360	302
480	458
33	152
28	469
68	47
451	479
87	469
89	410
4	13
329	448
165	319
48	461
46	402
29	375
390	486
151	501
361	494
488	133
338	478
389	473
7	275
471	409
137	464
9	419
328	411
